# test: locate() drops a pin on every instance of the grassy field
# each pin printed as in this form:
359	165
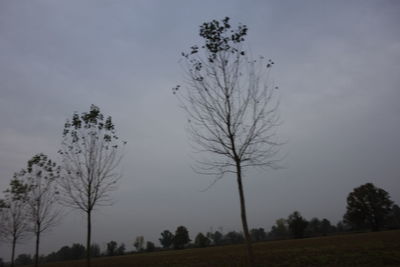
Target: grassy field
364	249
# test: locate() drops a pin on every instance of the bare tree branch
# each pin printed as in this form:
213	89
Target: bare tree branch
231	111
41	196
90	155
14	220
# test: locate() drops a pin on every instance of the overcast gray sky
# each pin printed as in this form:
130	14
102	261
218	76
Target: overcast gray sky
337	66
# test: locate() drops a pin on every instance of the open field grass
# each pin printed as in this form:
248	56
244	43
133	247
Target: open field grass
364	249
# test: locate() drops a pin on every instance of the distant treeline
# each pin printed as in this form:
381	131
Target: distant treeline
368	208
294	226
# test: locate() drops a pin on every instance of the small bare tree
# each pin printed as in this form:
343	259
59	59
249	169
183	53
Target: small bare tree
231	111
39	178
14	221
90	157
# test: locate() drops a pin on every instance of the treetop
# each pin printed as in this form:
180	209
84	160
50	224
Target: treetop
219	37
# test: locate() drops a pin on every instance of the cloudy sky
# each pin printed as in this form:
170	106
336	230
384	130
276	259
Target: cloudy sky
337	66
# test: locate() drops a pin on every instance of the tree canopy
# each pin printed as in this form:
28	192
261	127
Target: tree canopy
181	237
166	239
368	207
297	224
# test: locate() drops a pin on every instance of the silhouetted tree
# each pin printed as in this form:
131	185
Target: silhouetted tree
368	206
139	243
51	257
75	252
297	224
14	220
313	227
233	237
40	178
90	159
121	249
64	253
216	237
317	227
258	235
150	247
279	230
394	217
326	227
24	259
341	227
78	251
167	239
95	250
201	241
181	238
111	248
232	113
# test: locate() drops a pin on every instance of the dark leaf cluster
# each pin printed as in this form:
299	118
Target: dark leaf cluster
219	37
114	250
181	237
92	121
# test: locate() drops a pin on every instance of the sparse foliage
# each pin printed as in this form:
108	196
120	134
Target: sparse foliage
231	111
90	157
368	206
40	179
14	220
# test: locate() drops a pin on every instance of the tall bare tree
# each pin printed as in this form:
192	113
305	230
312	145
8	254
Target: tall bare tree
231	110
90	155
39	178
14	222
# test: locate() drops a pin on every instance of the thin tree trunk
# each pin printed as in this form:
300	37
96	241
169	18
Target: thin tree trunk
37	248
13	251
250	256
89	232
